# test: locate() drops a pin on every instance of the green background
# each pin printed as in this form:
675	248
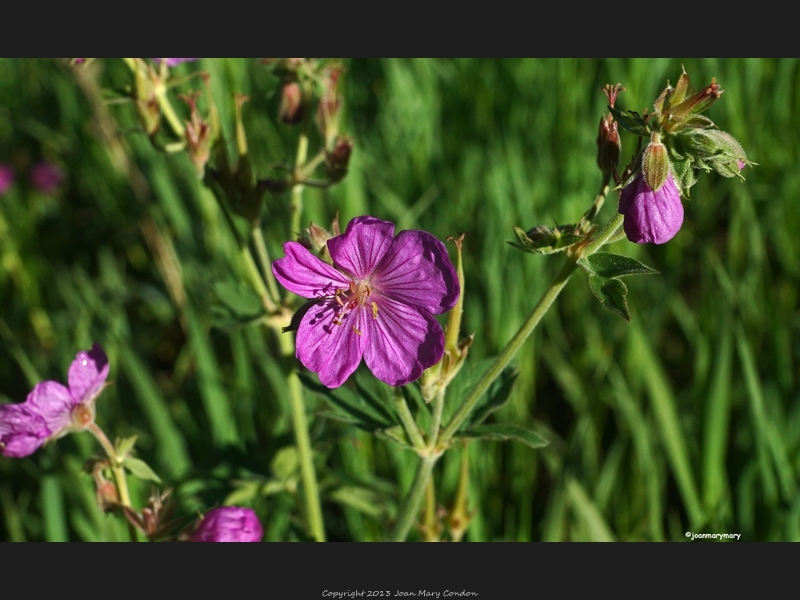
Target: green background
685	419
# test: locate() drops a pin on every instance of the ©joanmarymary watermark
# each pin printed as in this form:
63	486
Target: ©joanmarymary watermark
712	536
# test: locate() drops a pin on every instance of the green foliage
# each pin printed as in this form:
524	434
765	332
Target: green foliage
685	419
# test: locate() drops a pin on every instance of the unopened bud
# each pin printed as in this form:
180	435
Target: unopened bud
330	105
198	136
608	144
655	163
291	110
336	160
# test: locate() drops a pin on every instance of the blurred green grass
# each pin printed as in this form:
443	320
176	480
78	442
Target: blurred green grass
686	419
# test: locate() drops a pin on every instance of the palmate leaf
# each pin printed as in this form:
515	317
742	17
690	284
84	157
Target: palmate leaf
503	432
611	293
604	269
359	406
609	265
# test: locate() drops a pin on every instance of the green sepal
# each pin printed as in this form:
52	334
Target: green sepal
140	469
503	432
125	445
631	121
611	293
610	266
544	240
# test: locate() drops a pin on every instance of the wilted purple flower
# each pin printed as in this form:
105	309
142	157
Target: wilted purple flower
228	524
51	409
46	177
651	216
6	177
171	62
377	302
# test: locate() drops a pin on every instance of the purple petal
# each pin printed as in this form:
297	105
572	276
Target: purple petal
333	351
22	430
417	270
401	342
88	373
306	275
651	217
362	246
53	403
229	524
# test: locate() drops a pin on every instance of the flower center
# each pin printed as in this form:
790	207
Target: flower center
354	297
82	416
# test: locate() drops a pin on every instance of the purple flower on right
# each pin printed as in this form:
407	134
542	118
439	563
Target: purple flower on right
651	216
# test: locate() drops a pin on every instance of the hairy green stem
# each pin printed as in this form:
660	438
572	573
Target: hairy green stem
436	421
410	426
303	441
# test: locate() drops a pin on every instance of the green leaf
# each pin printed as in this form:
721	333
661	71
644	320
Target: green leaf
236	306
125	445
544	240
360	407
395	434
140	469
285	463
362	499
630	121
503	432
610	266
496	396
611	293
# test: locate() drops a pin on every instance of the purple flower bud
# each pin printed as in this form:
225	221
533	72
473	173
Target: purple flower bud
228	524
46	177
6	177
651	217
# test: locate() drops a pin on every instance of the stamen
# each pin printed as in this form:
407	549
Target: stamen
374	310
356	330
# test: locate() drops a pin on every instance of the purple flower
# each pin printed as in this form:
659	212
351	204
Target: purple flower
6	177
171	62
651	216
51	409
228	524
46	177
377	302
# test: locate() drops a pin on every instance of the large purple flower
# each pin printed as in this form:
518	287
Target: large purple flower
651	216
51	409
228	524
377	303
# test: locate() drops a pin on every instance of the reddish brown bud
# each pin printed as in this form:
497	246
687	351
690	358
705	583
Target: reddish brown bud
291	109
336	160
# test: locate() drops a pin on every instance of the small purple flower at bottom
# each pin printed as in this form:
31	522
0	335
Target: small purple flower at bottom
651	216
6	177
228	524
52	409
376	302
46	177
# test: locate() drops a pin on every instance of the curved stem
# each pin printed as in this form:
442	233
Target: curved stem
118	470
509	351
436	421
